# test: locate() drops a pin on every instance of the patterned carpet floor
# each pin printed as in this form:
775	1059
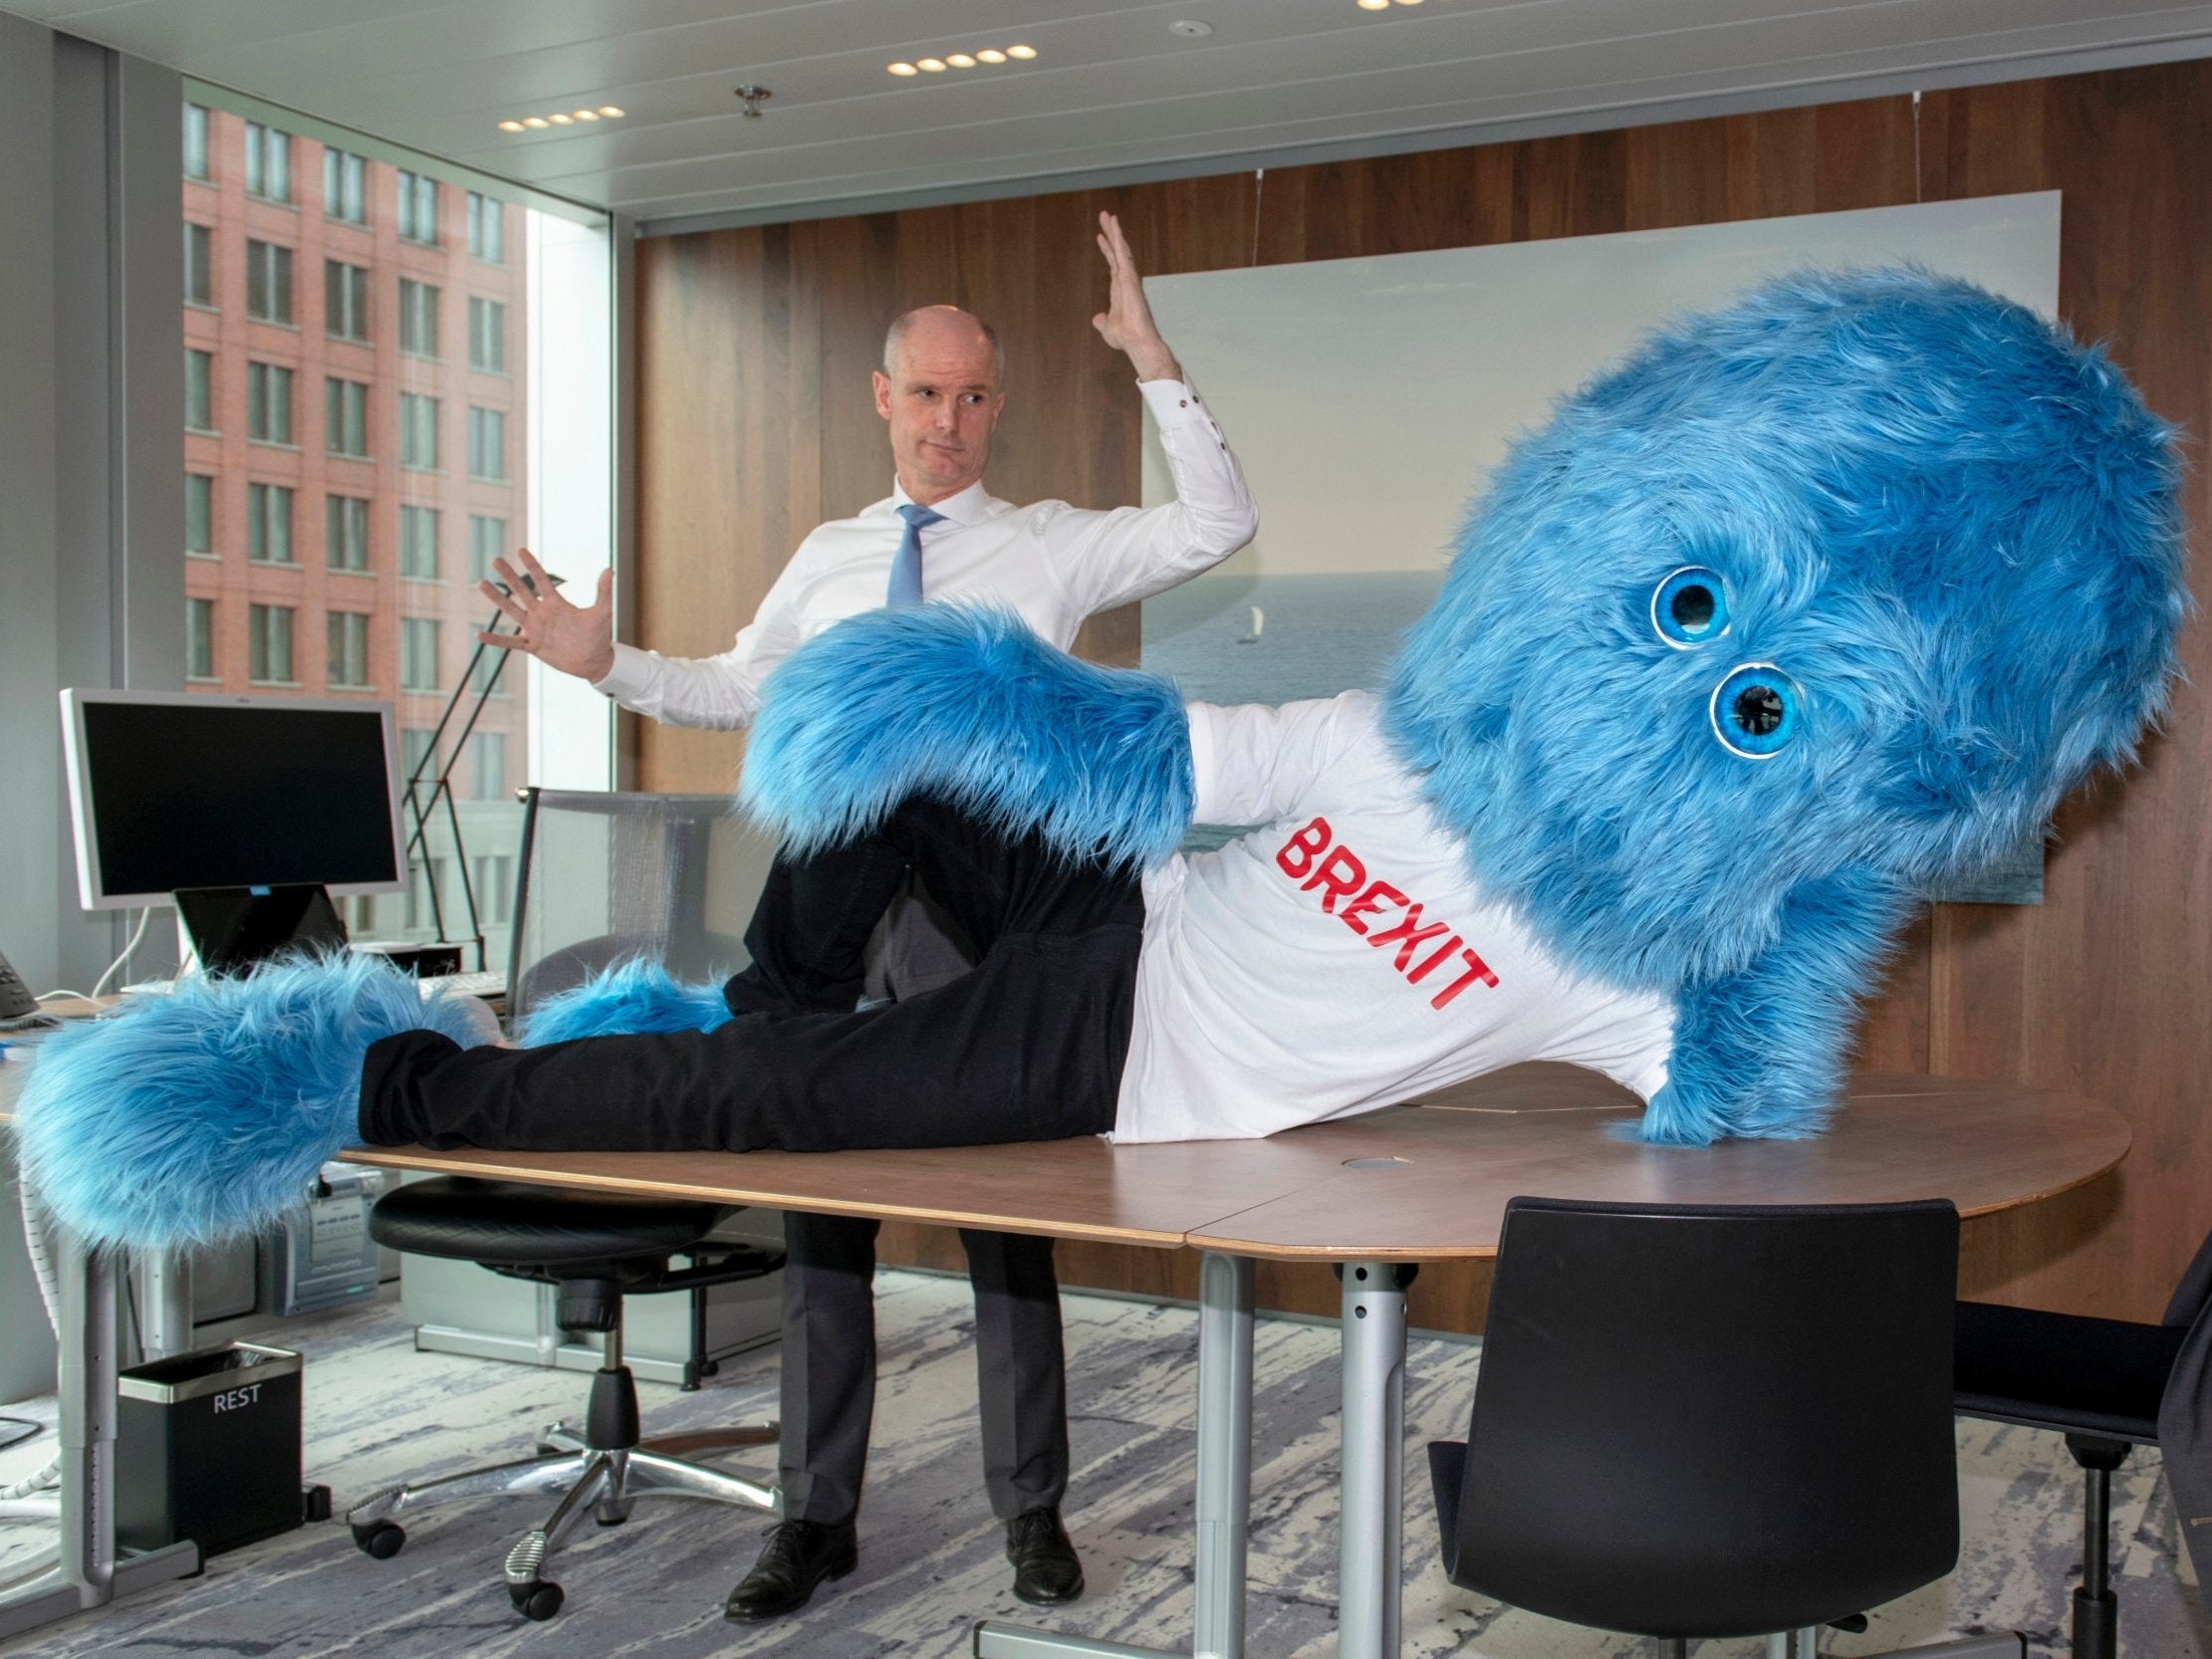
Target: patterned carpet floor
930	1554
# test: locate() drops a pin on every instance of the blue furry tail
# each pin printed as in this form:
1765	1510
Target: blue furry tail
626	998
969	707
204	1115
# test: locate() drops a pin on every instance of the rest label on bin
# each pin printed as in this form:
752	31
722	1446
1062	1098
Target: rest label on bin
237	1399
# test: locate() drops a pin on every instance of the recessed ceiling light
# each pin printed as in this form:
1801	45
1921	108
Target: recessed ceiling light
905	68
587	115
611	111
511	127
991	55
561	120
1374	5
534	121
935	65
1021	52
1409	2
960	60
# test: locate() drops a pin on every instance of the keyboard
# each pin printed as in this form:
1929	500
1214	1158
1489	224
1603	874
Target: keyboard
486	984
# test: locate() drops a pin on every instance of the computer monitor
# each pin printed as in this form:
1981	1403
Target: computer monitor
178	791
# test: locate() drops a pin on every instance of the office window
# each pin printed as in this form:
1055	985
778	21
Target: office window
487	765
269	525
196	142
418	207
199	514
199	391
487	445
268	402
346	531
419	653
418	317
200	262
344	187
418	431
348	641
419	543
269	644
345	300
199	639
268	162
495	888
487	229
268	282
487	334
487	541
345	418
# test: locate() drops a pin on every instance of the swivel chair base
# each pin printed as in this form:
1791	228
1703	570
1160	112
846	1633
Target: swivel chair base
1799	1644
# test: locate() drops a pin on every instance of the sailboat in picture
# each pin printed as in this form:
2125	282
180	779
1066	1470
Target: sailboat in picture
1252	632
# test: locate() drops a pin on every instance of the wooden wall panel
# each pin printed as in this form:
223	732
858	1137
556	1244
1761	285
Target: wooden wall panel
755	422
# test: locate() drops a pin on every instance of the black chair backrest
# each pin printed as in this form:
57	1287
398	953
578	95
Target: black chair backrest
1712	1422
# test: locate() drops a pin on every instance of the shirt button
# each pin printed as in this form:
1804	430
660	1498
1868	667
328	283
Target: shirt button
1182	403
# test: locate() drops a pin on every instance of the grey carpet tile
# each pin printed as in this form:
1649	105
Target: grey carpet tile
932	1560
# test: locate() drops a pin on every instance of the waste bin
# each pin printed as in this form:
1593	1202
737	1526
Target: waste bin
207	1448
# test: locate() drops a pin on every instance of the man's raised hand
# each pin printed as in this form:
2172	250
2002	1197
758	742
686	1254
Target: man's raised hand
576	639
1126	324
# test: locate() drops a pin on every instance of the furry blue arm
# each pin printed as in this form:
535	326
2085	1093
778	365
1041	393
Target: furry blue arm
625	1000
970	707
205	1114
1758	1054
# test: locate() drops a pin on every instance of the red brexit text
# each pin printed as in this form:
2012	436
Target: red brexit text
1336	873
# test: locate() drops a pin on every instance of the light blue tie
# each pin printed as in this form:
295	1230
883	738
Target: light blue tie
905	585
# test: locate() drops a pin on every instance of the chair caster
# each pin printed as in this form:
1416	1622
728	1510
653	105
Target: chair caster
382	1541
539	1601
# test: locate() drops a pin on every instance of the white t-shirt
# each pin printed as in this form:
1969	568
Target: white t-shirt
1340	959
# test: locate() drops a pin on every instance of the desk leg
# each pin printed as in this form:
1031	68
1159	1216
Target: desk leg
1224	1495
1370	1579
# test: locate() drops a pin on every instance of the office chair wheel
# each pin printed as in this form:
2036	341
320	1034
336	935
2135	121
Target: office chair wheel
539	1601
382	1541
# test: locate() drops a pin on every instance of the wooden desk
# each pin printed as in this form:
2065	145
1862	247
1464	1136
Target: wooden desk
1376	1194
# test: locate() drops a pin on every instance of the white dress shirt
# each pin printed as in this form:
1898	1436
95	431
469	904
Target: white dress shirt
1055	563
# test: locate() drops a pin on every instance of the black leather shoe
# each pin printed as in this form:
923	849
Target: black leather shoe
800	1554
1046	1571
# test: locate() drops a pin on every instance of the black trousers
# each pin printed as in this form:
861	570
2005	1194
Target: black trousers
1028	1045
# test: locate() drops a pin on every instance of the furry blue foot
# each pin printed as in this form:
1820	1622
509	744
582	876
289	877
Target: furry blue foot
968	706
203	1116
626	998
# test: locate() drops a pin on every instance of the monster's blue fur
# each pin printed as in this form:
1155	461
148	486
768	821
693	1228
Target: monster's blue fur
970	707
623	999
1954	529
203	1116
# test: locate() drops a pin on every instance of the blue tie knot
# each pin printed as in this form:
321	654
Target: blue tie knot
905	584
918	517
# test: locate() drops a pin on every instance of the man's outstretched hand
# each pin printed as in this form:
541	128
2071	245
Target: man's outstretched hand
576	639
1126	323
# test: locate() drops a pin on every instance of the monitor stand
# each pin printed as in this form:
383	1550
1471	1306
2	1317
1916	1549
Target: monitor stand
233	929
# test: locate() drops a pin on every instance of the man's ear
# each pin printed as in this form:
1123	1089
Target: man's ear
882	394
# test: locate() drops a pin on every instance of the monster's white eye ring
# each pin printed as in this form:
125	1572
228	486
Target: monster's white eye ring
1757	711
1689	607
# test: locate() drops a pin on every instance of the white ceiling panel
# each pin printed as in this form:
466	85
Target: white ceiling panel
1114	92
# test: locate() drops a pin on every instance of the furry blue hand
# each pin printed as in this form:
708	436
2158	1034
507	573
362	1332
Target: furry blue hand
204	1115
623	1000
968	706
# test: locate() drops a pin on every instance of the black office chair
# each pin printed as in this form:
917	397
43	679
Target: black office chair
1699	1423
2101	1383
602	877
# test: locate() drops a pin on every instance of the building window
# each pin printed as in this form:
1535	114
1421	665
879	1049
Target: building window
487	765
200	261
419	543
345	300
199	514
418	431
269	525
414	751
486	679
196	142
495	888
268	162
418	207
487	541
269	644
427	878
348	640
344	187
345	417
487	229
487	335
268	404
268	282
419	653
418	317
200	389
199	639
487	445
346	531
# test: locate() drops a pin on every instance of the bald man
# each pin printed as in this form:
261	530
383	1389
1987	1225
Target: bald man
939	534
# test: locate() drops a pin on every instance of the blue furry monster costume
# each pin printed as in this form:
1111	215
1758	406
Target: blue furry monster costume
1808	605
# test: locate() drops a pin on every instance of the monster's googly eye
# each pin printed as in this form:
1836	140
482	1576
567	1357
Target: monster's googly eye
1757	711
1690	606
